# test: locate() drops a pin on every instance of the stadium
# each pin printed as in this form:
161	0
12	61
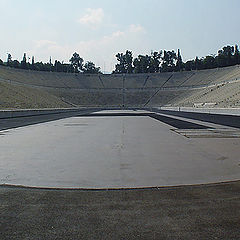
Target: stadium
160	137
119	120
218	88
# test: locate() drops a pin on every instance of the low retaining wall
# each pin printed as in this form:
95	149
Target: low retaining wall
224	117
34	112
224	111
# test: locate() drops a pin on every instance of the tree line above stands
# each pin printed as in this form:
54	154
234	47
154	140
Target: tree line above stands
162	61
76	65
170	61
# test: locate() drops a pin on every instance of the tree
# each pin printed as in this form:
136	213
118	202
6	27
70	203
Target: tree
129	61
32	60
58	66
225	56
24	62
137	68
179	63
15	64
9	59
32	66
68	68
142	64
236	55
50	63
221	59
89	67
190	65
119	68
197	63
76	62
125	64
155	61
209	62
169	60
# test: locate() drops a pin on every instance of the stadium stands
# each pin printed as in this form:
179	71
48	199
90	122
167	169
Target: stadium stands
215	87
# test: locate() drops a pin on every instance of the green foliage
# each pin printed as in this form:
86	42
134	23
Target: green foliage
189	65
76	62
75	66
15	64
90	68
179	63
9	59
162	61
125	64
209	62
155	61
142	64
169	61
24	62
166	61
236	55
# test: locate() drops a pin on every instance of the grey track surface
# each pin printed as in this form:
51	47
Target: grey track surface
181	124
126	151
8	123
185	212
179	213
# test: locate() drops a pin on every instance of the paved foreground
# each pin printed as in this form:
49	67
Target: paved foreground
146	150
186	212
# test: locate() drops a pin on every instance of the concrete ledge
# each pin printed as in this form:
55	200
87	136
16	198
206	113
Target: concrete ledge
46	111
34	112
226	118
224	111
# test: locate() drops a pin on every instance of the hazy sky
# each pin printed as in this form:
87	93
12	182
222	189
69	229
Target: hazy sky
98	29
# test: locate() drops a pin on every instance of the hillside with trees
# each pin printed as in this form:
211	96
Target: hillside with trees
170	61
76	65
162	61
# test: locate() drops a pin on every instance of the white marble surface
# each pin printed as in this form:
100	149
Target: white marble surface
113	152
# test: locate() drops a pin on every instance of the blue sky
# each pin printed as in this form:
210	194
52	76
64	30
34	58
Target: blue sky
98	29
